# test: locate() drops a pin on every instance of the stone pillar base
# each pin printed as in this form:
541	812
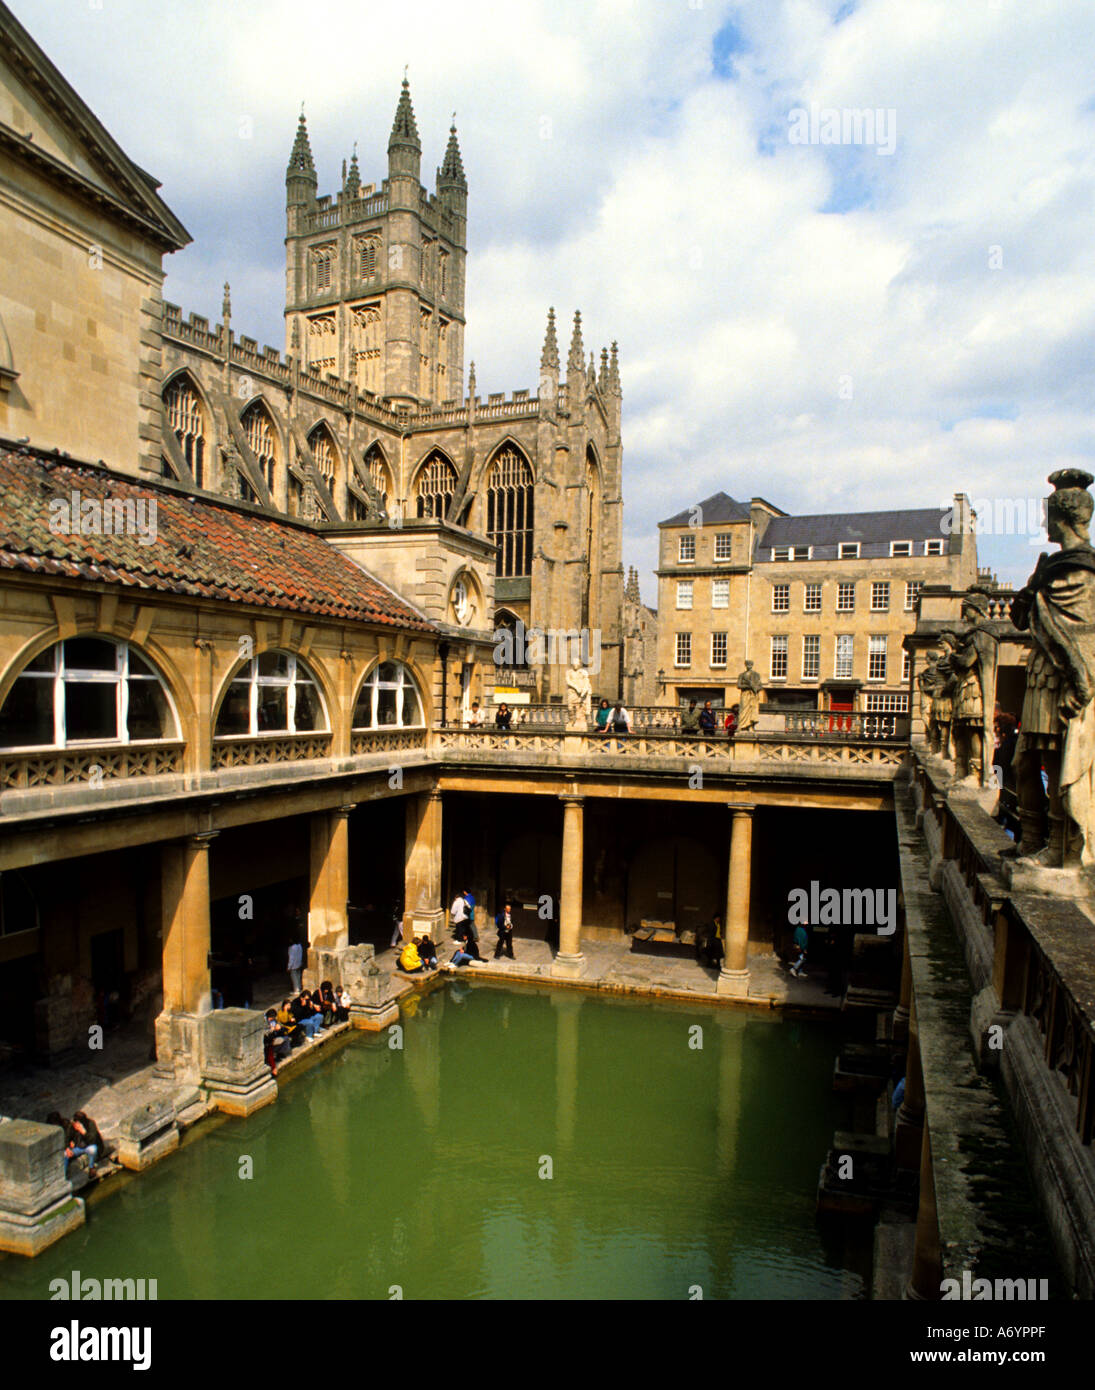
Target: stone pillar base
429	923
566	967
234	1069
373	1017
147	1135
178	1046
36	1202
734	983
30	1235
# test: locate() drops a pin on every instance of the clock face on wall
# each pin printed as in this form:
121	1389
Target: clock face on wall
461	602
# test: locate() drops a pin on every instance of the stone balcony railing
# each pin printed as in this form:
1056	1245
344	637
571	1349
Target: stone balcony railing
271	748
57	767
1028	937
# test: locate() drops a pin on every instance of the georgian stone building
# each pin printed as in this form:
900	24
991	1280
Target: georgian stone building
365	426
820	604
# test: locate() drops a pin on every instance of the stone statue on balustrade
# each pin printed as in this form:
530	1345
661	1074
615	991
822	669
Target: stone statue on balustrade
926	683
750	685
943	686
973	662
1057	607
579	696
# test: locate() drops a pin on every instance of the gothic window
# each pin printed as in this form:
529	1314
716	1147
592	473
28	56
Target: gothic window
86	690
442	356
509	512
323	258
323	451
388	697
379	476
368	254
274	693
442	271
425	322
321	342
186	416
435	487
593	535
262	441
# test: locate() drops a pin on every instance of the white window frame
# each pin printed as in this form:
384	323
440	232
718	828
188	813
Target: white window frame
879	703
715	660
811	641
405	679
781	591
683	644
844	673
933	547
807	607
904	553
906	665
686	542
291	679
684	591
840	607
61	673
775	649
913	589
781	553
724	540
720	586
848	550
877	646
880	588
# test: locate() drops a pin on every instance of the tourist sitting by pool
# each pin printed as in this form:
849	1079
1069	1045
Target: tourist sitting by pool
468	943
410	962
428	951
331	1002
461	957
81	1137
276	1044
288	1021
306	1014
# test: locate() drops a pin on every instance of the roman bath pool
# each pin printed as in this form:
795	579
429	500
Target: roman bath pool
521	1144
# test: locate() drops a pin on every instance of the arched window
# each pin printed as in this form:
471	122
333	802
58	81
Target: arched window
593	536
186	416
323	451
262	440
379	475
509	512
322	262
86	690
368	248
274	693
435	487
389	696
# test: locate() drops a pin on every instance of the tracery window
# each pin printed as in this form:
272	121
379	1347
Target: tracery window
274	693
86	690
435	488
509	512
389	696
379	476
262	441
323	451
186	416
368	253
322	267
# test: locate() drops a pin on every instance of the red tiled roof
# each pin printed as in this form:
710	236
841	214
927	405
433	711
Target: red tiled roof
202	548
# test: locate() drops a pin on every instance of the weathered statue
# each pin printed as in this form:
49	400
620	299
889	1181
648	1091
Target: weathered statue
943	698
579	696
926	681
974	664
1057	607
749	684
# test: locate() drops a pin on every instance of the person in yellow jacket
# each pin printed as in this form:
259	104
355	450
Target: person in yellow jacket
410	962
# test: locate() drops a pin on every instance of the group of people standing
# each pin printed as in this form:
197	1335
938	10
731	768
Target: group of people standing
707	722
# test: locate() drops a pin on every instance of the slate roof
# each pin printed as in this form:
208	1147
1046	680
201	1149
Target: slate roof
202	548
873	530
716	511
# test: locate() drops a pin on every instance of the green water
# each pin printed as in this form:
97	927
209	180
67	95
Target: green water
671	1166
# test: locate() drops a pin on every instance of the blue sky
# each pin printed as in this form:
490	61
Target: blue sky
632	158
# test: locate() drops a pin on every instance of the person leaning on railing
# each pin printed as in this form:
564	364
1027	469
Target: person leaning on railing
604	709
690	719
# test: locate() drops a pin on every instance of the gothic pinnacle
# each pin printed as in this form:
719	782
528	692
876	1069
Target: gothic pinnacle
352	180
404	127
602	380
300	160
549	358
576	360
614	370
451	173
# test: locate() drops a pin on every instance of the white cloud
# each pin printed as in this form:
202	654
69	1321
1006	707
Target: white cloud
615	165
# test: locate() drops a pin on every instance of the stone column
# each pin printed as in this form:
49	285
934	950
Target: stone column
328	925
186	937
927	1270
902	1012
734	975
184	872
909	1125
36	1202
569	961
422	909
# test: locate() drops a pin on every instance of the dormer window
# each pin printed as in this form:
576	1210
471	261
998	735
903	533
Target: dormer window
898	548
849	550
933	547
783	552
